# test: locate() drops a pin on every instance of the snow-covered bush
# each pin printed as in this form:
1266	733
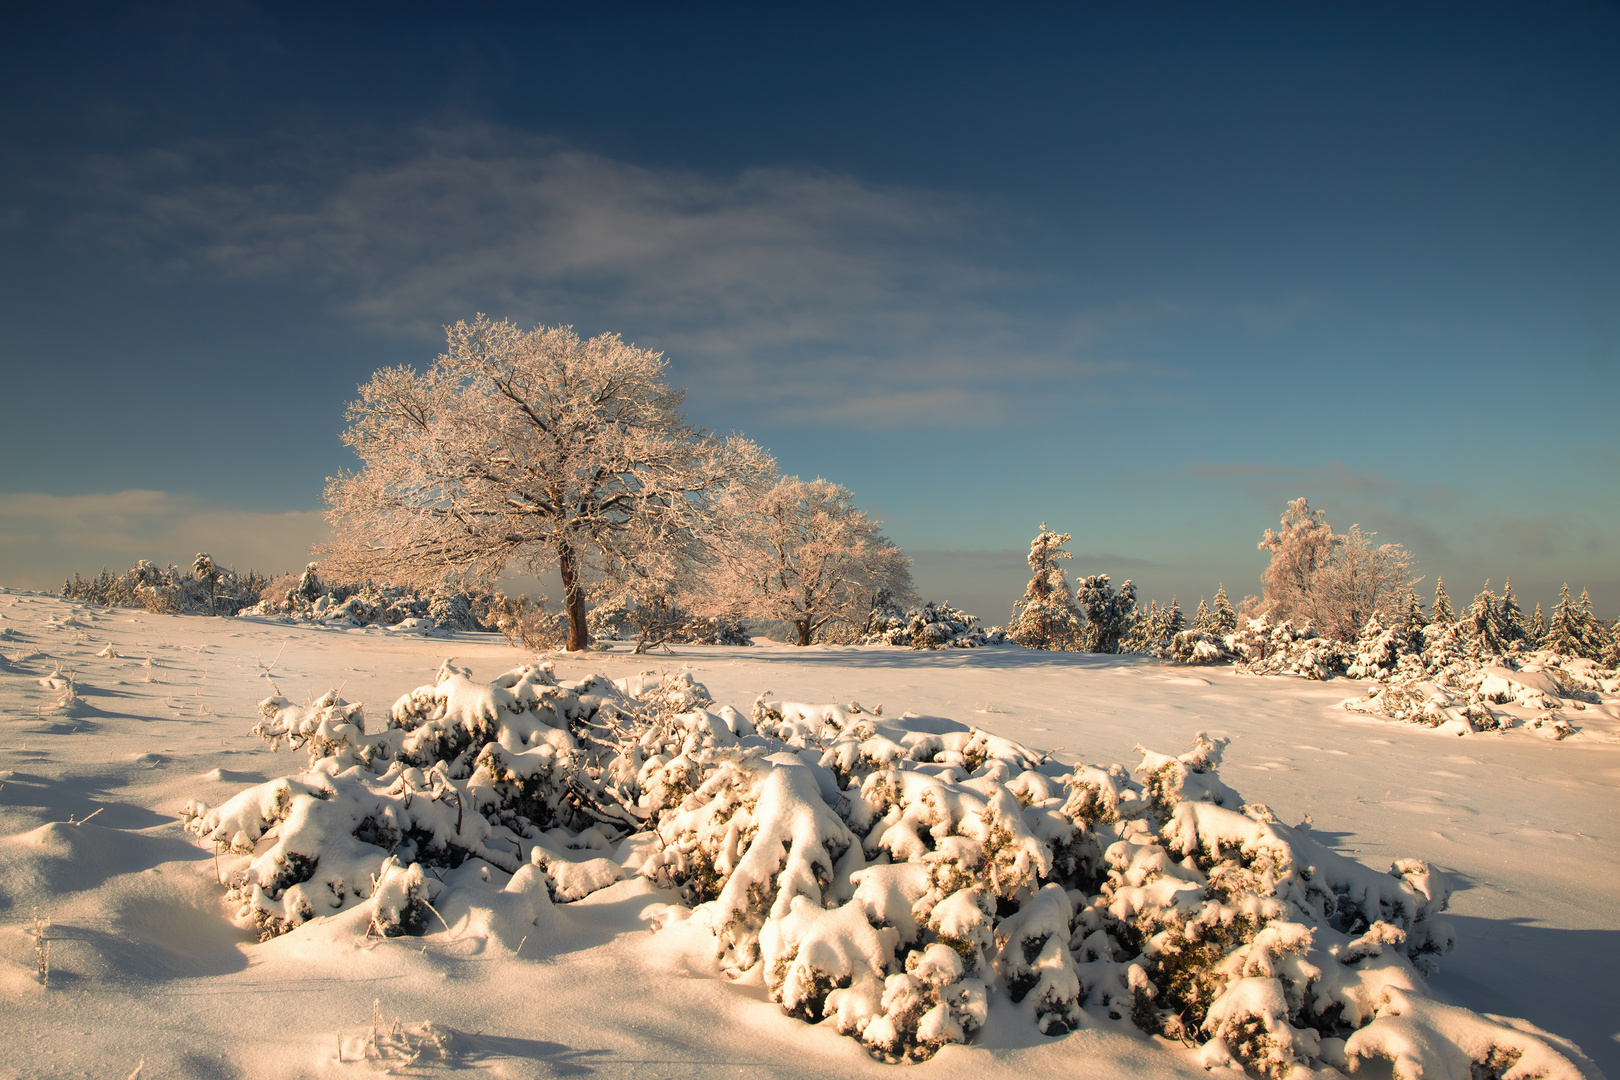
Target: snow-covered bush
893	877
207	588
528	623
932	626
1286	649
307	598
661	621
1198	647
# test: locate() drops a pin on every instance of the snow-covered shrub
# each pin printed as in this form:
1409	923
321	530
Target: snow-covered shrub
662	622
932	626
1198	647
206	589
893	877
308	599
1286	649
528	623
1446	684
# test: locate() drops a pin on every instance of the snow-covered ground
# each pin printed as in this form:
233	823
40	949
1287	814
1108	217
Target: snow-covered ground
145	966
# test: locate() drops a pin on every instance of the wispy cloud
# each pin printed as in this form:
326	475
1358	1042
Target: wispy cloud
821	297
45	538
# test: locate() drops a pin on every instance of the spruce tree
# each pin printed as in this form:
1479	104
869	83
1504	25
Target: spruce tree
1441	612
1509	618
1108	615
1143	635
1046	617
1538	629
1225	619
1202	618
1483	622
1564	628
1413	621
1175	621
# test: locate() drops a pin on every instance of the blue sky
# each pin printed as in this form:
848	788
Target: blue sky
1144	273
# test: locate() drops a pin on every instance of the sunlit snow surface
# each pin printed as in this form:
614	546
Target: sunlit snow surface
145	966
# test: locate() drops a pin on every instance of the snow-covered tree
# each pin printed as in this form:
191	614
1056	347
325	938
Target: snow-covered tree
527	447
800	551
1202	616
1441	613
1565	631
1299	549
1175	621
1538	628
1224	619
1593	631
1108	615
1047	616
1413	621
1510	617
204	570
1357	579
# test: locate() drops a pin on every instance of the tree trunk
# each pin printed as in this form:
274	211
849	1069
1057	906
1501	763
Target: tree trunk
803	626
573	598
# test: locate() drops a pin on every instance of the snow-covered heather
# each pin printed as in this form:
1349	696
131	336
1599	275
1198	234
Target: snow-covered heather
128	716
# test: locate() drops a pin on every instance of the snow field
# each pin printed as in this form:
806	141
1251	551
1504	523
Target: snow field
144	945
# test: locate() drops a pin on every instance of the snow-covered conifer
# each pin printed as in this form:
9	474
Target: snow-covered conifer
1538	629
204	570
1202	616
1441	611
1224	619
1510	619
1047	616
1413	622
1594	634
1108	615
1565	631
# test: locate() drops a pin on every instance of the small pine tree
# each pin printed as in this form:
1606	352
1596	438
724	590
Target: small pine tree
1202	618
205	571
1483	623
1144	635
1538	629
1510	619
1224	619
1175	621
1441	612
1413	621
1594	635
1564	628
1108	615
1047	616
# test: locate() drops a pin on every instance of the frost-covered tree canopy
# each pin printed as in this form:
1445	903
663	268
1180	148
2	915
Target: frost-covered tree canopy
532	448
1333	581
801	552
